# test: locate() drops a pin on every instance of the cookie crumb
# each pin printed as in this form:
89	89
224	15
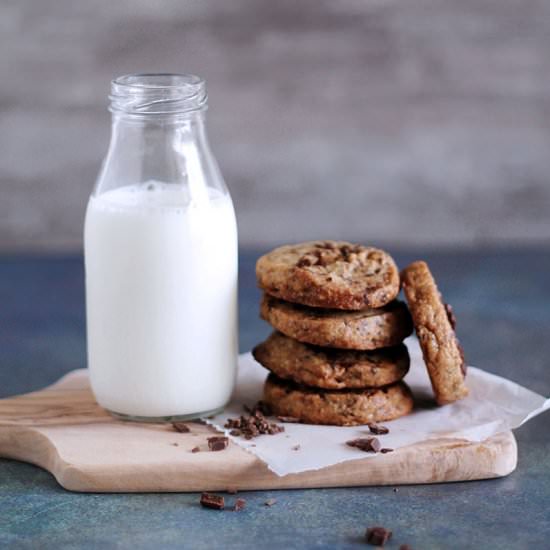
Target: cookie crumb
195	450
386	450
270	502
296	448
174	444
210	500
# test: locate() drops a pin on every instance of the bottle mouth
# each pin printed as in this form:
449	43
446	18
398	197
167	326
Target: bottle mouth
158	94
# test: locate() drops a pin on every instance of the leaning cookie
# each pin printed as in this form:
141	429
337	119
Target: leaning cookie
330	368
434	324
365	329
337	407
330	274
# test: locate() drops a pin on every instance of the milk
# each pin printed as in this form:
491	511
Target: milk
161	297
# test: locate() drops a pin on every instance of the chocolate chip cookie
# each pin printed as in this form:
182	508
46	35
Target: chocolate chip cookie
337	407
365	329
434	324
329	274
330	368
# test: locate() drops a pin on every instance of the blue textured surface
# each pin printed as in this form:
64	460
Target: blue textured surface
502	300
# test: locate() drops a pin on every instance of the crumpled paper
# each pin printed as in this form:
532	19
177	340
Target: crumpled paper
494	405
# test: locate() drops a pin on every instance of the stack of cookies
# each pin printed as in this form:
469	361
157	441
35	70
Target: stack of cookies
336	356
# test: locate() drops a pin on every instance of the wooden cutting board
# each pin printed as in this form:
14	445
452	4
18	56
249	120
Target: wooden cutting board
63	430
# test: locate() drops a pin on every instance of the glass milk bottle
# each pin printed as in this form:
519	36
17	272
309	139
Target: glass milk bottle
160	243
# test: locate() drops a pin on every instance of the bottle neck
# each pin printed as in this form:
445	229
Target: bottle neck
155	148
148	129
159	135
158	111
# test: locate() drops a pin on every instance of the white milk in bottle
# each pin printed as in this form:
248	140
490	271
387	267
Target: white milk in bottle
160	243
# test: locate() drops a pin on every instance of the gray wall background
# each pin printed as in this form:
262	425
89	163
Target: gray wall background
406	122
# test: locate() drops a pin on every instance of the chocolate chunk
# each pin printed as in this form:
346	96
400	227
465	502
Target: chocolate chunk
367	444
195	450
386	450
240	504
378	536
218	443
254	424
288	419
181	427
376	429
305	261
270	502
345	251
450	315
322	259
452	320
463	367
210	500
315	257
234	423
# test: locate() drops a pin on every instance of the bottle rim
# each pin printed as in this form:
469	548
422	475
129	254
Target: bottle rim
145	94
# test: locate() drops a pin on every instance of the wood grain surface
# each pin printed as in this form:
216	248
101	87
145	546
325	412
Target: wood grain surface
63	430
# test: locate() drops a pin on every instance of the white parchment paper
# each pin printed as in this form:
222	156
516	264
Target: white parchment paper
494	405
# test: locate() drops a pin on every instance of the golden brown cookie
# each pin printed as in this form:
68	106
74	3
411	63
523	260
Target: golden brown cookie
329	368
330	274
434	324
365	329
338	407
